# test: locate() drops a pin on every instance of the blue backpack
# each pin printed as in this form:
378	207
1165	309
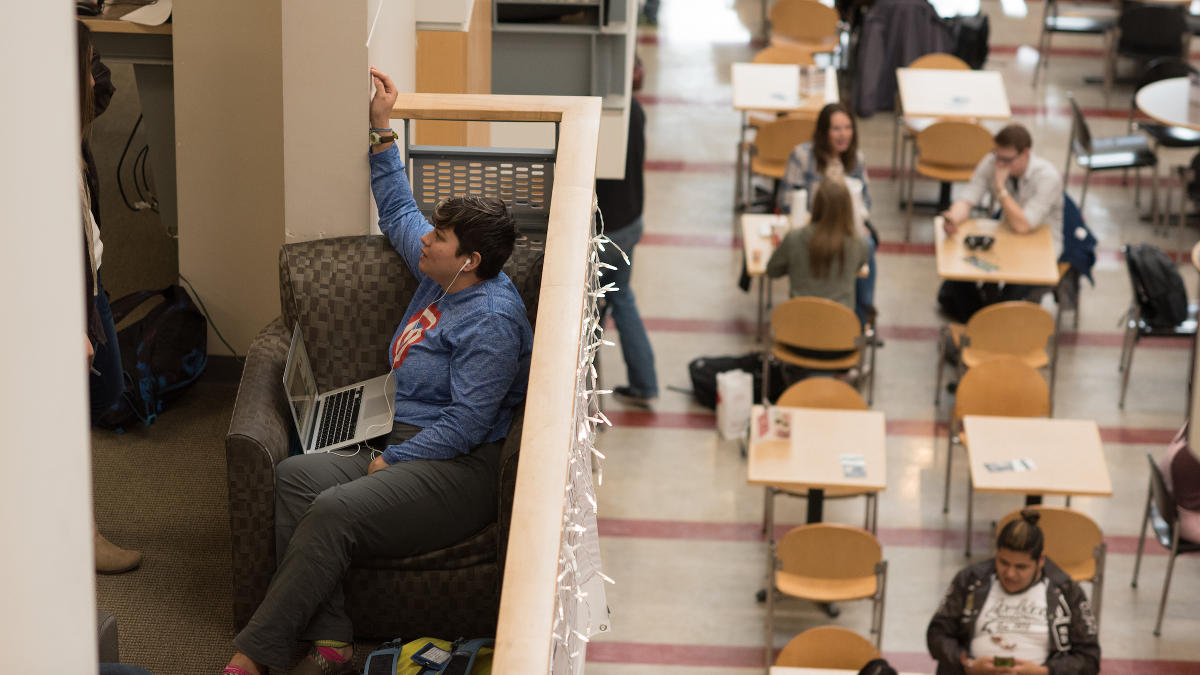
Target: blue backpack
161	354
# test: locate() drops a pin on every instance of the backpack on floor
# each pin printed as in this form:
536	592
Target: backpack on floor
969	35
426	656
704	370
161	353
1157	286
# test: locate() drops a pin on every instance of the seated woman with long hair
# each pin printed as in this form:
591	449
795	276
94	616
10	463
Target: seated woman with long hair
822	259
833	153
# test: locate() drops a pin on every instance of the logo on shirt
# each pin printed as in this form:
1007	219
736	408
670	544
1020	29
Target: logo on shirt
414	332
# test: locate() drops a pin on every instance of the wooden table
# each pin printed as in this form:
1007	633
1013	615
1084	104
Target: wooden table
757	249
1166	102
774	88
1019	258
1067	454
953	94
811	458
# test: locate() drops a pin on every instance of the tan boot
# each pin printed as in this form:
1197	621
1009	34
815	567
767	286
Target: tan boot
112	559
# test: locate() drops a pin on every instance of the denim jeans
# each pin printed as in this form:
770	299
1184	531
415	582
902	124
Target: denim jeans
635	345
864	287
105	388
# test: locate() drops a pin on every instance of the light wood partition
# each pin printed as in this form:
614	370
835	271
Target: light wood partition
456	62
527	604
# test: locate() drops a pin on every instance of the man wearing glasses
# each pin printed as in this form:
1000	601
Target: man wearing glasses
1026	190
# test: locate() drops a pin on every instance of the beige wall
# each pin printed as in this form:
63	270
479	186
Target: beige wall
270	124
48	622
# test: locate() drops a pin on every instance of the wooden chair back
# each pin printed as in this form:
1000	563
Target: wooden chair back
1071	536
954	143
816	323
774	141
804	20
784	54
1016	327
939	61
831	647
1003	386
829	551
822	392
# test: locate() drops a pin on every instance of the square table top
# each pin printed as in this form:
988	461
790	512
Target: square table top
955	94
1068	455
758	248
775	87
812	456
1019	258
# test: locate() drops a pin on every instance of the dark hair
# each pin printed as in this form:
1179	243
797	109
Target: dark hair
483	225
877	667
821	145
1023	534
1014	136
87	103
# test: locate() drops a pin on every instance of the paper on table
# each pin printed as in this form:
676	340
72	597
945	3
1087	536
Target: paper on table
854	466
1015	465
153	14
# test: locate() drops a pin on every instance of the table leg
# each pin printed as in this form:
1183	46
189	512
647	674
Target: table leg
816	504
737	174
970	512
762	304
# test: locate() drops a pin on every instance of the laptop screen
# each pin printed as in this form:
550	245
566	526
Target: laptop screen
301	388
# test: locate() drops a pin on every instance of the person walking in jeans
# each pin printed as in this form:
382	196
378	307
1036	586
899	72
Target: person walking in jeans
621	207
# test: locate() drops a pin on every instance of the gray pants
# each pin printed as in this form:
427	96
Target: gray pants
329	512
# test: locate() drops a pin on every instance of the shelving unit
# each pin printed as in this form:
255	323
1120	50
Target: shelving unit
569	48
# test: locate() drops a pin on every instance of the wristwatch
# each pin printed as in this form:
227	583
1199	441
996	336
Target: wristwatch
379	136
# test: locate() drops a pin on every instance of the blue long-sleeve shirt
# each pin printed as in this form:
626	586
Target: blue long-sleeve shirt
461	364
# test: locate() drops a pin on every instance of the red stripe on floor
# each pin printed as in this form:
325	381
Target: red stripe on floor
709	656
649	419
908	537
694	240
893	332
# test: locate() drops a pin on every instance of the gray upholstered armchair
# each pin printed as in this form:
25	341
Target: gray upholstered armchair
348	295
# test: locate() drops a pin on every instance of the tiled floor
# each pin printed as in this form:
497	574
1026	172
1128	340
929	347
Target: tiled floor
679	525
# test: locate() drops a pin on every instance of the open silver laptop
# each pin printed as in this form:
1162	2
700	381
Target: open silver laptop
335	419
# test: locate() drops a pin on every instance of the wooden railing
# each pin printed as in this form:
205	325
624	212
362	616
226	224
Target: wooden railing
527	604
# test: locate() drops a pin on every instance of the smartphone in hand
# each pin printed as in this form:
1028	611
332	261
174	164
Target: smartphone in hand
1003	661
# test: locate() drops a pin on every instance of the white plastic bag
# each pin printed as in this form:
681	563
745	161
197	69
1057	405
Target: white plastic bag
735	394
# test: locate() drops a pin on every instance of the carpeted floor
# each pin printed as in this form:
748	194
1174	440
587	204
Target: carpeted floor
162	490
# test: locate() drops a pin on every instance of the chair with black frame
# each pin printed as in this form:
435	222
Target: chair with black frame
1108	152
1165	135
1089	20
1162	514
1140	319
769	152
822	335
1145	32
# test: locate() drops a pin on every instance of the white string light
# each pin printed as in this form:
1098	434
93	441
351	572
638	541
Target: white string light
575	618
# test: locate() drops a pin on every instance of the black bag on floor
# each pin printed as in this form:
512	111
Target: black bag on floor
703	371
960	299
161	353
1158	286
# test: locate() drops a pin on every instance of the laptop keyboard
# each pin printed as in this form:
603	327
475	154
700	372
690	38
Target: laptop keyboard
341	417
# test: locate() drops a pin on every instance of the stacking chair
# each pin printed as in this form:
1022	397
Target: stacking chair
1074	542
1003	386
820	334
1137	327
1163	135
805	24
1161	513
1110	152
831	647
946	151
1023	329
824	562
912	125
772	145
1146	31
1093	20
830	394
